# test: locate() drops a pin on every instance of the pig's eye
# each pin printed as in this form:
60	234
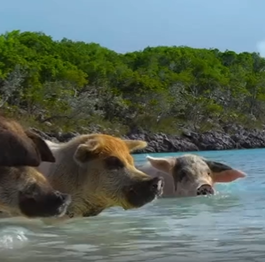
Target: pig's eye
113	162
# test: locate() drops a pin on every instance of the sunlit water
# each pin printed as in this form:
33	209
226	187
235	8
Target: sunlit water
227	227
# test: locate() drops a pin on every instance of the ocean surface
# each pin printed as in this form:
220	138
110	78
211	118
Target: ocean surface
229	226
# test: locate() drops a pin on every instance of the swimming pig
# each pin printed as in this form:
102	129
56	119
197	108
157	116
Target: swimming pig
23	189
189	175
99	172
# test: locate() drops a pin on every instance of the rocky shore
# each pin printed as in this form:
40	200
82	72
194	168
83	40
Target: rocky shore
231	137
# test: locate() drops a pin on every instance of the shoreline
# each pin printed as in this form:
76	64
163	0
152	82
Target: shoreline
230	138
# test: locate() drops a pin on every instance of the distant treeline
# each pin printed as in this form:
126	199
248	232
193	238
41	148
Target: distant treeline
75	85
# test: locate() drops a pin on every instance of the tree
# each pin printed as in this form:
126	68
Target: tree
74	84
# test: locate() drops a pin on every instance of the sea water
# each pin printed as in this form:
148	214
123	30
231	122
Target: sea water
229	226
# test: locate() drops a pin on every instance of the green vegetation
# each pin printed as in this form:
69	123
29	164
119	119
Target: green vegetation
66	85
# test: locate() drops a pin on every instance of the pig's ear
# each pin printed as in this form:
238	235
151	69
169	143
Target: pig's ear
163	164
135	144
222	173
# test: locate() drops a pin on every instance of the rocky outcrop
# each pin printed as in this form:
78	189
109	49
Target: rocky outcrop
232	137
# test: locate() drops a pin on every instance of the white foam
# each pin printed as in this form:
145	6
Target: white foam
13	238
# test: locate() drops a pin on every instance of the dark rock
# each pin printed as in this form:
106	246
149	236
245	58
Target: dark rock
233	137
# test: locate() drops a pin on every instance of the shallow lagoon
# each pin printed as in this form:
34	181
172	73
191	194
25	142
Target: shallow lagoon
227	227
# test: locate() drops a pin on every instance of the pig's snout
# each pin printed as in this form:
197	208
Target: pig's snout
157	185
205	189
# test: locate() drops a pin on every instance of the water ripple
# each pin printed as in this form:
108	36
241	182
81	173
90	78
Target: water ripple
226	227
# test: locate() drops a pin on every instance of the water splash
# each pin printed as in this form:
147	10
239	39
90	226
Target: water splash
12	238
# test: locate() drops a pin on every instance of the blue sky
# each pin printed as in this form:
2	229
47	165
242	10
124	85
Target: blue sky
127	25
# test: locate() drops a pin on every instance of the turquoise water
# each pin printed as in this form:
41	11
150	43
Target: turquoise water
229	226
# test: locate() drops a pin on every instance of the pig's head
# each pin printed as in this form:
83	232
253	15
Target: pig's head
106	174
194	175
21	147
25	191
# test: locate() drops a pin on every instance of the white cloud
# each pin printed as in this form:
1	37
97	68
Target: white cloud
261	48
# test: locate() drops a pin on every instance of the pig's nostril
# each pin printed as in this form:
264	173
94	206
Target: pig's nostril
58	194
64	197
205	190
155	186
